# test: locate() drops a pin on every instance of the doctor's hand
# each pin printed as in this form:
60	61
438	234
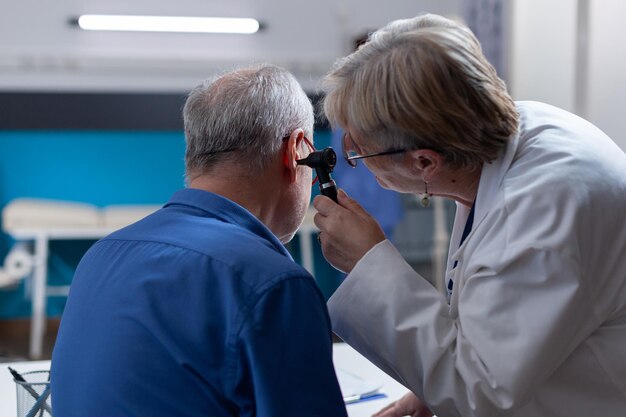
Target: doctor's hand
409	405
347	231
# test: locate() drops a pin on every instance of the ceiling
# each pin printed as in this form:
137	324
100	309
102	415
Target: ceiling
40	50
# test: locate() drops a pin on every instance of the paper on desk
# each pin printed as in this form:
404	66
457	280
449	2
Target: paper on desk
353	386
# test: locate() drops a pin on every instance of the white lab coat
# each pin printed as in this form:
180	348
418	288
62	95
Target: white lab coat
536	324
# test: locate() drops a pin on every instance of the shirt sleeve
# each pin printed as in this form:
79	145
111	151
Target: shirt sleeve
516	324
285	354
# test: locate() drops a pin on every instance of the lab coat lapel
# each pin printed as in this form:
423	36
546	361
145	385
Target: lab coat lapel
489	189
491	178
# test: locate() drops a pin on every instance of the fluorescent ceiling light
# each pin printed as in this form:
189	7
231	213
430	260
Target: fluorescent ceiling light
168	24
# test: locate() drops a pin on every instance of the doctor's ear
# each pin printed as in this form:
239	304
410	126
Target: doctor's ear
426	162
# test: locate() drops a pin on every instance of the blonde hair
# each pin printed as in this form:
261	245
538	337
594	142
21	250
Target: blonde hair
423	83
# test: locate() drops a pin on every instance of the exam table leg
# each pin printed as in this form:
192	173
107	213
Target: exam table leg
38	297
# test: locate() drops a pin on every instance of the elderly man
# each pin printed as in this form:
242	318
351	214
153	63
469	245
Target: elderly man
198	309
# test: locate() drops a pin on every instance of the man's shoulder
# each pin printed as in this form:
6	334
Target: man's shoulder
230	248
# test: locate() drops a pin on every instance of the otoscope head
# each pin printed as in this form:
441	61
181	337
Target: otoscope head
325	159
323	162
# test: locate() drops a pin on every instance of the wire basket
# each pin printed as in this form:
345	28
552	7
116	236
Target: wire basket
33	395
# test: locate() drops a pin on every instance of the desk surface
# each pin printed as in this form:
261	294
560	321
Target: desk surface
350	360
345	358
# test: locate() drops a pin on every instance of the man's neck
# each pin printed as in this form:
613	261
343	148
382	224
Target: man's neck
252	193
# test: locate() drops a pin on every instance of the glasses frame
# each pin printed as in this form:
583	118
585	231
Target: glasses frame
352	160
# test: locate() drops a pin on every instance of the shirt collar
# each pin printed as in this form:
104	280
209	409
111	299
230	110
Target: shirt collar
221	208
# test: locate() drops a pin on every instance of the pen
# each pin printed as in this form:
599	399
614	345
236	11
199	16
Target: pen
18	377
363	397
39	404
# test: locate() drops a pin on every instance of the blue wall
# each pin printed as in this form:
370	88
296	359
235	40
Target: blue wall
97	167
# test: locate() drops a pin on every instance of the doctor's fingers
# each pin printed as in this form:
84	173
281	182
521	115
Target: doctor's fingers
392	410
346	238
408	405
336	253
350	228
349	203
336	221
385	410
326	206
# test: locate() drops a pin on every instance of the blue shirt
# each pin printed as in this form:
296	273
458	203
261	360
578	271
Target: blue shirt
196	310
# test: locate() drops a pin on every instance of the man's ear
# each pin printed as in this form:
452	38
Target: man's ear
426	162
292	152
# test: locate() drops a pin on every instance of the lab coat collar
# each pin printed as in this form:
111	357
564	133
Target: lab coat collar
491	178
216	206
489	186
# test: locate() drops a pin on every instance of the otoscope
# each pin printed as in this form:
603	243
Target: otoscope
323	162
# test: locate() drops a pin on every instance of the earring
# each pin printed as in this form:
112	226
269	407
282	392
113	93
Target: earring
425	197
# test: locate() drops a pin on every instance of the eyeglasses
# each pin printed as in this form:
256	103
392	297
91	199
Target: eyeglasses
309	144
352	157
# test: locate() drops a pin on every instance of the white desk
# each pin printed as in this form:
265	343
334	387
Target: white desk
350	360
345	358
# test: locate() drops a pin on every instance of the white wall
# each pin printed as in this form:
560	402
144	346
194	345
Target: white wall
542	52
607	68
40	50
572	58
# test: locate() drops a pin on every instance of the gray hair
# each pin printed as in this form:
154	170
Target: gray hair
243	115
423	83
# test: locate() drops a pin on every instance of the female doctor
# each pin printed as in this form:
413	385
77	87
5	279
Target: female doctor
534	319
